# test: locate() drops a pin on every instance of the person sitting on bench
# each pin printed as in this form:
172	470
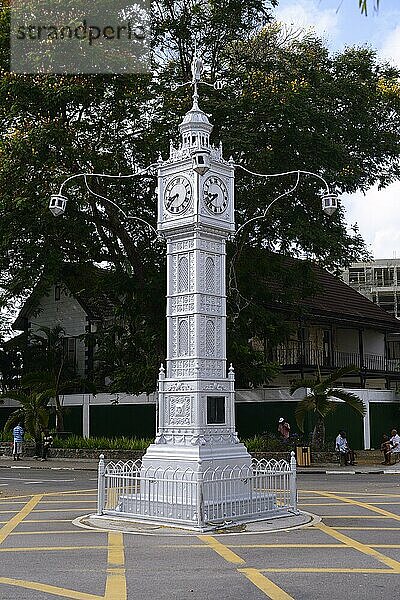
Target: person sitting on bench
346	456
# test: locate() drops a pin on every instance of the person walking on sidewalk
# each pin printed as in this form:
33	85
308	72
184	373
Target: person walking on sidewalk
18	436
46	444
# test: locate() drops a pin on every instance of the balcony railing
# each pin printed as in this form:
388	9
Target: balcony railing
294	355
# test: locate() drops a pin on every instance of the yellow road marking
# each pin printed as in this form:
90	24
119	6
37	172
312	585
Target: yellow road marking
390	562
287	546
355	516
75	492
369	528
222	550
116	580
66	509
365	505
16	520
69	501
350	495
52	548
265	585
49	589
52	532
327	570
182	546
340	503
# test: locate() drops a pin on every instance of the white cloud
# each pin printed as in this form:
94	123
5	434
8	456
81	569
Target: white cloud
390	49
378	217
307	14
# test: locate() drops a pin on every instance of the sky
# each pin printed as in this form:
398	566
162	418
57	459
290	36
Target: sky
340	24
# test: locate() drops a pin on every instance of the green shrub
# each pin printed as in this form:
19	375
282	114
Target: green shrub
101	443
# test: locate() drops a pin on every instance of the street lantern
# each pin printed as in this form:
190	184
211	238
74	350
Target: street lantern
57	204
329	203
201	162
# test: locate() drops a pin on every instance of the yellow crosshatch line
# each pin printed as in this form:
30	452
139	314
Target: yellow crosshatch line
116	580
115	587
360	517
52	532
326	570
359	504
339	503
68	501
367	528
52	548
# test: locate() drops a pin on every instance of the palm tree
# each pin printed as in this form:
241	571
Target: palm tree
318	401
33	413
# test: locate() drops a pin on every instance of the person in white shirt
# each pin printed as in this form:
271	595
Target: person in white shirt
346	455
395	444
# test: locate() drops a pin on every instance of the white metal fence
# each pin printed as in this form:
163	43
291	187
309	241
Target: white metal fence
197	500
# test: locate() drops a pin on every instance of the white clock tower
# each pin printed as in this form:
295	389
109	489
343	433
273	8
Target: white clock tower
196	417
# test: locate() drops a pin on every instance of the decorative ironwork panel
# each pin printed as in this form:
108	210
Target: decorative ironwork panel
183	274
180	410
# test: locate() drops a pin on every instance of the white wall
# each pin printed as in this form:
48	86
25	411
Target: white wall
67	313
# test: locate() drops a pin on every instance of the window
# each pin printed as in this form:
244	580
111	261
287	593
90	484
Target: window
384	276
215	410
356	275
387	300
69	346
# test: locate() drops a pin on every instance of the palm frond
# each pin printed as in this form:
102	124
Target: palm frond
338	374
304	406
351	399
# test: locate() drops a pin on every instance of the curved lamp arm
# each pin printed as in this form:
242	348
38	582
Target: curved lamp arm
119	208
329	200
58	201
142	172
271	204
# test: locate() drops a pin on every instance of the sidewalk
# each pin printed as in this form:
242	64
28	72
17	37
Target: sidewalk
83	464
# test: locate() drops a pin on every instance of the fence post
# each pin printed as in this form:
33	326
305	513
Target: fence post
293	483
200	499
101	486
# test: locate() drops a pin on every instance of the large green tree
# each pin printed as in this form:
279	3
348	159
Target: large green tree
288	104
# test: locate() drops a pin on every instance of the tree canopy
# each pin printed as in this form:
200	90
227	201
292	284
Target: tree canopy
287	104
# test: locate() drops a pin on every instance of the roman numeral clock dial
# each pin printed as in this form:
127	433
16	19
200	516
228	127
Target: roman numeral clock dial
215	195
177	195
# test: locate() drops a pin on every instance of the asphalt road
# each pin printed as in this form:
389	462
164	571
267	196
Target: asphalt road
352	553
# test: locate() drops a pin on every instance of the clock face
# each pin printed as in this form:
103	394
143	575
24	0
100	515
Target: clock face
177	195
215	195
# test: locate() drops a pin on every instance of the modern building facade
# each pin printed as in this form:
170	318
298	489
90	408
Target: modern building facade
379	281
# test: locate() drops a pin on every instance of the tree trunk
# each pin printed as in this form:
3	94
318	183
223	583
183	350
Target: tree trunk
59	415
318	435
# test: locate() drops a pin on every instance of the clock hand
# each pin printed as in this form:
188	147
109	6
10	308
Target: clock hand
211	197
171	200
